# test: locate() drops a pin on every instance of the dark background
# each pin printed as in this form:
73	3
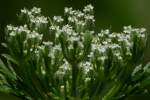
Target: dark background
111	14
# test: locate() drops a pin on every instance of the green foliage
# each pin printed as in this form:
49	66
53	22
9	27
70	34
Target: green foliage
65	59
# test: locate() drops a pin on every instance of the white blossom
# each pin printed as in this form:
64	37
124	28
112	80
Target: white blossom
102	58
87	66
88	8
48	43
36	10
68	10
39	20
58	19
67	29
89	18
34	35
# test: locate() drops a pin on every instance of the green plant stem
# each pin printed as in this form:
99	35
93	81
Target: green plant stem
74	80
65	87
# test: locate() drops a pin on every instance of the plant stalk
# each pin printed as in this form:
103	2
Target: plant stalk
74	80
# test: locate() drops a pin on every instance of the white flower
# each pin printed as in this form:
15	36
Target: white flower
36	10
94	46
13	31
24	10
72	19
67	29
102	58
55	28
79	14
128	53
139	30
109	40
80	23
70	47
87	66
117	54
102	49
39	20
41	47
89	18
127	29
12	34
141	35
58	19
48	43
68	10
34	35
63	69
104	42
87	79
88	8
106	32
57	47
73	38
65	66
113	35
100	35
142	30
91	55
114	46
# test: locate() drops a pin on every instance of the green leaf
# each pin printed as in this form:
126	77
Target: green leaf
8	57
5	71
4	45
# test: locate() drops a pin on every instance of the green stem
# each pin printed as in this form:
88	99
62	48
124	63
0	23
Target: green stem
65	87
74	80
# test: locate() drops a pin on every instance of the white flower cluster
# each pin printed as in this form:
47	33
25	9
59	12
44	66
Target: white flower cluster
39	20
129	29
88	9
106	41
72	36
135	32
34	11
54	50
34	35
74	30
50	47
77	24
58	19
86	67
118	43
79	19
34	18
13	31
29	38
63	69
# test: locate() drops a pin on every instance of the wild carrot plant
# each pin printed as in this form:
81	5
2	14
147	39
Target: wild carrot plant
64	58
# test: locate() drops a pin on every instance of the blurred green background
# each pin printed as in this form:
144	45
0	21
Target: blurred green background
111	14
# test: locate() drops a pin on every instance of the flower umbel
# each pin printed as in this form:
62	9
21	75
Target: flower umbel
64	58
